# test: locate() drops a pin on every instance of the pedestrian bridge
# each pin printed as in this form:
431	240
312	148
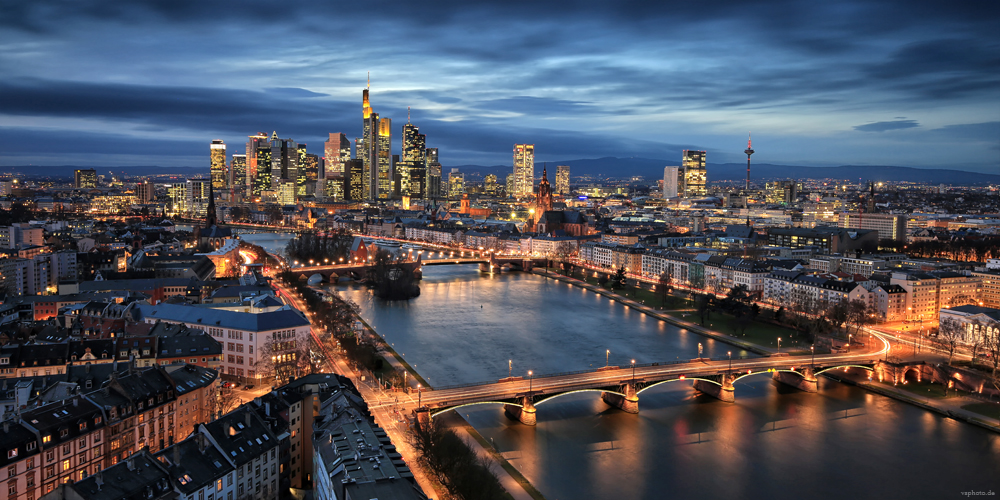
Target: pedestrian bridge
621	386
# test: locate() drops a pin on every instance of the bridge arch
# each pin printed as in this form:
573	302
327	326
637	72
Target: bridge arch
846	366
550	398
766	372
650	386
443	410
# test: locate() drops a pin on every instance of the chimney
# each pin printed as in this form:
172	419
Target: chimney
86	368
267	408
130	462
202	443
99	480
76	401
248	419
6	426
177	455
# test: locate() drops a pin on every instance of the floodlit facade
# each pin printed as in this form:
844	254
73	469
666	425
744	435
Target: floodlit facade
671	179
562	180
695	174
218	164
524	170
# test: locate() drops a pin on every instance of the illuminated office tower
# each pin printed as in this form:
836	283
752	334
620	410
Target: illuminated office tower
383	153
562	179
490	185
413	165
258	169
284	160
354	181
144	191
308	170
695	174
197	194
336	152
238	171
456	184
524	170
177	194
367	147
433	173
85	178
218	164
671	178
510	182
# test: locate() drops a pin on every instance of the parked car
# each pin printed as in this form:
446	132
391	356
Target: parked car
248	387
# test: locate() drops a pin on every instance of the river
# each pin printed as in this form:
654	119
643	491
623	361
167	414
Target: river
774	442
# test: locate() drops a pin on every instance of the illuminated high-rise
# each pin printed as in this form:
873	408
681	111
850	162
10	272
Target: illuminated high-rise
336	152
413	164
456	183
258	169
434	188
196	194
383	153
671	180
85	178
367	149
562	180
284	160
144	191
695	174
238	171
524	170
308	170
354	180
490	185
218	164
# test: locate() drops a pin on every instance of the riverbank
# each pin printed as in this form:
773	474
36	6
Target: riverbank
938	406
663	316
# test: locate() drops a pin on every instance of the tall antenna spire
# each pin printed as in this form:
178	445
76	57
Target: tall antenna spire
407	114
369	80
746	188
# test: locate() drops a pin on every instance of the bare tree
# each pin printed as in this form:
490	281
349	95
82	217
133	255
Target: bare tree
950	334
665	285
226	401
977	339
991	344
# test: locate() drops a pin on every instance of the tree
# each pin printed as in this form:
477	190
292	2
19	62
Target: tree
703	305
859	315
950	334
226	401
391	277
961	300
602	279
838	314
991	344
665	286
618	280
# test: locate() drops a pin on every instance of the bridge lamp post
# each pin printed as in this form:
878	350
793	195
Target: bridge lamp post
779	344
419	394
730	354
530	373
813	349
699	350
633	370
607	357
850	338
510	366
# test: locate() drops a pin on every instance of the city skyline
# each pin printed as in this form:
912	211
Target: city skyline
816	85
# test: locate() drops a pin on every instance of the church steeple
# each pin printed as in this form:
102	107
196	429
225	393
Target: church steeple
210	216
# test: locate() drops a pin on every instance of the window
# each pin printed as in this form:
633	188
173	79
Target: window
65	465
218	485
47	439
30	464
12	453
50	456
82	444
12	471
12	488
31	445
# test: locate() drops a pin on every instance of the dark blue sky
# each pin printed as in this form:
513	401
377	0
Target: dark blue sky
902	82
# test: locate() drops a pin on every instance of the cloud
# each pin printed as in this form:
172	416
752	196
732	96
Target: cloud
987	131
886	126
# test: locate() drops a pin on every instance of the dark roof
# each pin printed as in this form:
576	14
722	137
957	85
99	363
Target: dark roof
242	435
194	463
266	321
140	477
189	345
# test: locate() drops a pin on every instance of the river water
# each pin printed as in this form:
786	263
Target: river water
774	442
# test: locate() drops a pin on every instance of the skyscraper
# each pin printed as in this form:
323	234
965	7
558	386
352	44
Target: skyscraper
144	191
490	185
524	170
413	166
284	160
354	180
456	184
695	174
336	152
562	179
367	147
383	153
434	189
196	195
258	164
218	164
307	172
238	171
671	178
85	178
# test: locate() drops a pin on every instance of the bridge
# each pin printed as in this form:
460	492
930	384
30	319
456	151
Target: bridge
621	386
358	270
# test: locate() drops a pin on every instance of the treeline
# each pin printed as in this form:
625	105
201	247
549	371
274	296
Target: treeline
325	248
456	464
390	278
960	249
336	319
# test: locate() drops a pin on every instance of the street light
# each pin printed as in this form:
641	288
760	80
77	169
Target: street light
607	358
699	350
419	396
813	349
510	366
530	373
779	344
633	370
730	354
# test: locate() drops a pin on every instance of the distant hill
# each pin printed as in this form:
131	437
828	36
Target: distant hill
616	168
653	169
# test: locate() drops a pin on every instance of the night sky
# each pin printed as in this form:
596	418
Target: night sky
894	82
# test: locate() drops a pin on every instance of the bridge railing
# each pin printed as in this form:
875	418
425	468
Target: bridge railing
598	370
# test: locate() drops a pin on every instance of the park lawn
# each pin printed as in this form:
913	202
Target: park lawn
991	410
927	389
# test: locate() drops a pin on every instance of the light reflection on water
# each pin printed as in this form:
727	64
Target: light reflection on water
775	442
